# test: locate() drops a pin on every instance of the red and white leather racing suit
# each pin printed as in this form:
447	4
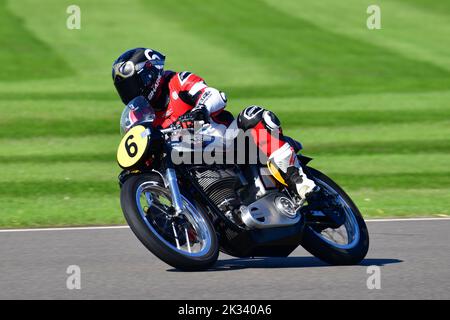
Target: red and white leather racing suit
182	92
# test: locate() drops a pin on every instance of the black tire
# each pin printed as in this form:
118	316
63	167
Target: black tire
326	251
151	241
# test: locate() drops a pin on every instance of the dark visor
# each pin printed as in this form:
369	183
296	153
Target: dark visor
128	88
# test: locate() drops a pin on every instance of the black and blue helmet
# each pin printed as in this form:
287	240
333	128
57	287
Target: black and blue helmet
137	72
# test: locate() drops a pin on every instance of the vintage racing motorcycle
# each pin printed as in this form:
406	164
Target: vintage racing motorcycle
186	213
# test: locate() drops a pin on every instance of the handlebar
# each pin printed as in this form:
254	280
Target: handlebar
169	130
172	128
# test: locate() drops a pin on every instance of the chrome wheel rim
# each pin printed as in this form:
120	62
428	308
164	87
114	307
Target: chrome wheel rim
347	235
187	234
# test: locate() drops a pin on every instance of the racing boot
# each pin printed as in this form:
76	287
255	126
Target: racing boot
283	164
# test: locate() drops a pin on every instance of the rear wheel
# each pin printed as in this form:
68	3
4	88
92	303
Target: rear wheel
187	241
342	243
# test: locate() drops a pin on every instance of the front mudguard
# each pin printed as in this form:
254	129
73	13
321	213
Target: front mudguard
126	174
123	176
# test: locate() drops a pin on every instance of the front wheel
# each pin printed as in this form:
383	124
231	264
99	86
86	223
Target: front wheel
344	243
187	241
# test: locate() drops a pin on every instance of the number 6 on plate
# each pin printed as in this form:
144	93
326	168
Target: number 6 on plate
133	147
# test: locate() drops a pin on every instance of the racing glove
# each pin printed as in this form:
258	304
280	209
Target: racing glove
197	114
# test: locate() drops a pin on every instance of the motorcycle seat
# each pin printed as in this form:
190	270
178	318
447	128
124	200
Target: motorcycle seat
294	143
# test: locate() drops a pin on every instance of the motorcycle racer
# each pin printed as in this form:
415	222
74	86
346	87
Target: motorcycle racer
183	97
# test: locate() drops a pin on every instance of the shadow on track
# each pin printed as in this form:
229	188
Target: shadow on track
289	262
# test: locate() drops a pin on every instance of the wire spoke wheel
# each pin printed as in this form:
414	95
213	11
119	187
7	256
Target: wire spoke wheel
347	235
338	234
186	241
186	233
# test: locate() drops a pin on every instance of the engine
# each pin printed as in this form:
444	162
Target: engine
245	204
220	186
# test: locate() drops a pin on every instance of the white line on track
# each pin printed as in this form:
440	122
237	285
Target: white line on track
126	227
406	219
64	229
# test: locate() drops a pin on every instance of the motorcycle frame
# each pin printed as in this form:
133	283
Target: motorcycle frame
233	240
240	242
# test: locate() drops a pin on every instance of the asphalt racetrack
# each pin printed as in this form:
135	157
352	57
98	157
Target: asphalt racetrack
413	257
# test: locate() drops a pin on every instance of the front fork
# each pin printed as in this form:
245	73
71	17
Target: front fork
177	200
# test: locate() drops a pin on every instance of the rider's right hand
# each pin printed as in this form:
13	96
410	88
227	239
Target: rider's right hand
198	114
185	121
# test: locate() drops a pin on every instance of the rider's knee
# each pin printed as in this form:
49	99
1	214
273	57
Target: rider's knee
251	116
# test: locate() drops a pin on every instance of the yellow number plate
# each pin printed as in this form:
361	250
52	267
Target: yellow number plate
132	147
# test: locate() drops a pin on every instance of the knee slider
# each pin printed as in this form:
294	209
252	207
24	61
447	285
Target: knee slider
250	117
271	121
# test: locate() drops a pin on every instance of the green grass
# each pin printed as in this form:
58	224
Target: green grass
23	55
372	107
